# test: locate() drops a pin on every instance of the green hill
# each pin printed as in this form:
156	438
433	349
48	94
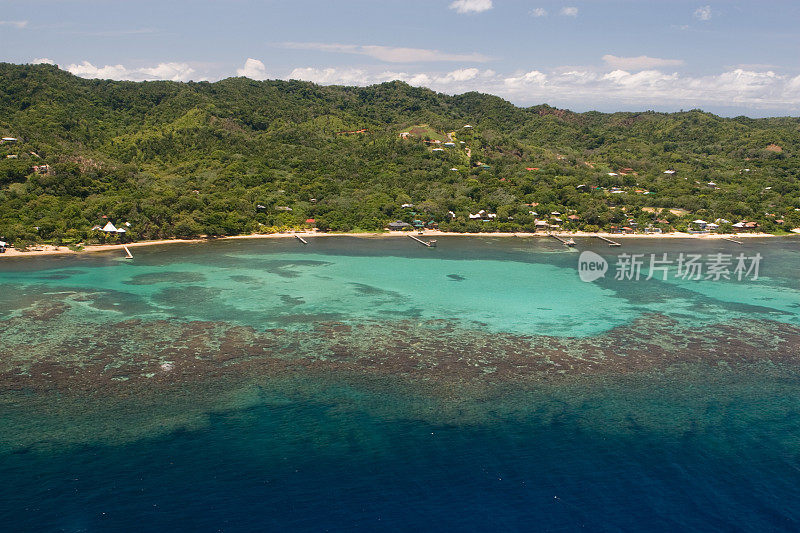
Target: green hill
185	159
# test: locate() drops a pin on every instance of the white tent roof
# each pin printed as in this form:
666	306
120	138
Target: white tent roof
110	228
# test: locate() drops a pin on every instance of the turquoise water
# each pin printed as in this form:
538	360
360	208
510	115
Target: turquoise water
521	287
360	383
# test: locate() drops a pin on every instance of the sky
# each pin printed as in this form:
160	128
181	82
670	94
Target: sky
728	57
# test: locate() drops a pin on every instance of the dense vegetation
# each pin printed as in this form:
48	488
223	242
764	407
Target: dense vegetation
187	159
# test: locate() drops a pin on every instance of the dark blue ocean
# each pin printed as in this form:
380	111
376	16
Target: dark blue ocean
298	468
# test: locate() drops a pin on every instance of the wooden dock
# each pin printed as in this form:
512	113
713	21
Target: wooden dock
128	254
609	241
430	244
569	243
732	240
299	238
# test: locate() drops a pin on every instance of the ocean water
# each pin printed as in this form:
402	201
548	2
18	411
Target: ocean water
374	384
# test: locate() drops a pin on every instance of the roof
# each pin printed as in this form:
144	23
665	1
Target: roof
109	227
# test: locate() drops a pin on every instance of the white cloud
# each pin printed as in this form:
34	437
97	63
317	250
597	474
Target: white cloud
333	76
539	12
471	6
169	71
389	54
528	79
19	24
43	61
639	62
88	70
253	69
639	85
459	75
162	71
569	11
703	13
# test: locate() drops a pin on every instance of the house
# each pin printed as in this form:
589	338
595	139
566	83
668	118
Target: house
711	226
398	225
477	215
41	169
701	224
651	229
613	174
437	150
9	140
531	169
454	169
451	214
311	221
574	218
261	208
283	208
3	246
405	135
449	145
541	224
670	172
110	228
627	229
12	156
467	127
409	206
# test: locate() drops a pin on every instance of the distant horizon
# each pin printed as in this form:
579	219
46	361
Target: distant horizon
574	109
728	57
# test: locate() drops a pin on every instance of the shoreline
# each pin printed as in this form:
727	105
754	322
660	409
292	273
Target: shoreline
48	250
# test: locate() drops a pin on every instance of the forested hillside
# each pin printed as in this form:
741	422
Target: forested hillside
239	156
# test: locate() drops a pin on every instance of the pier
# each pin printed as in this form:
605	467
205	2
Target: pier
128	254
732	240
299	238
609	241
570	242
430	244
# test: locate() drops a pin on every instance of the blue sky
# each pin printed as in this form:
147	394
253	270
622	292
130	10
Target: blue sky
730	57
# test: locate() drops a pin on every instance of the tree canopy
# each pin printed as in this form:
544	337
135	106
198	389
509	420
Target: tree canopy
188	159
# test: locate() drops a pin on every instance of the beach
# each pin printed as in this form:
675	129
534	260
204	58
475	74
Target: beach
48	249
